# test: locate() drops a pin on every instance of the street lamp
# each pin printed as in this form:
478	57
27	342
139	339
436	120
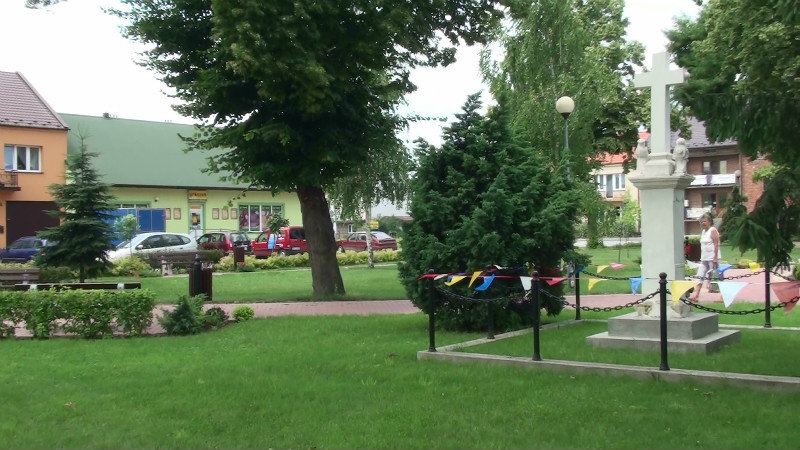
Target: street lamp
565	106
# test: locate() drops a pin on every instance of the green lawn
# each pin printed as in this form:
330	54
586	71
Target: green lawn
380	283
354	382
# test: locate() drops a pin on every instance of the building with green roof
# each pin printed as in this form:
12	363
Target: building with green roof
148	169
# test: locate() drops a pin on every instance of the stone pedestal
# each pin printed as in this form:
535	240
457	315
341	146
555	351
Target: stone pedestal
697	333
661	200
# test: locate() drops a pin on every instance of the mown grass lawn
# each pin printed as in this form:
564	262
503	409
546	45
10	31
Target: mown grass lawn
352	382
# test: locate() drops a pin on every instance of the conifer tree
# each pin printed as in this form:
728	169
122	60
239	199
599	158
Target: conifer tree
84	235
480	199
735	212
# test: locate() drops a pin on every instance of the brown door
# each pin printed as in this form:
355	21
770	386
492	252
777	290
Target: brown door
26	218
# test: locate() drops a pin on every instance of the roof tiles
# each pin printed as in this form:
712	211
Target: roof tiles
22	106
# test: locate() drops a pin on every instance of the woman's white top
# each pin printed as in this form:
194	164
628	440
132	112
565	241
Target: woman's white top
707	246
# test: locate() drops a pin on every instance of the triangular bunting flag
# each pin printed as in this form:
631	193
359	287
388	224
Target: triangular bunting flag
616	266
552	281
487	281
785	292
526	283
475	276
693	265
602	268
754	266
593	281
635	283
439	277
679	287
455	279
723	267
580	269
729	289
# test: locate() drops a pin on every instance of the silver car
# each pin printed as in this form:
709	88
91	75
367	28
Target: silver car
152	243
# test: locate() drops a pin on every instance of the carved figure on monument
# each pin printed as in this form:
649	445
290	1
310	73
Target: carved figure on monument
681	156
642	155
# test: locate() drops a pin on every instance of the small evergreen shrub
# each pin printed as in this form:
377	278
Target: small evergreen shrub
243	313
186	318
57	274
131	266
214	318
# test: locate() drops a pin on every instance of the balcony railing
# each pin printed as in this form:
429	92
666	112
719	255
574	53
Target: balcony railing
8	179
714	179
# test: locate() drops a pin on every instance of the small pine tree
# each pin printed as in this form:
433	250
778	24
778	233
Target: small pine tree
483	198
84	235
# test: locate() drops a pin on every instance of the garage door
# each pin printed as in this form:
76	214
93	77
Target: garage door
26	218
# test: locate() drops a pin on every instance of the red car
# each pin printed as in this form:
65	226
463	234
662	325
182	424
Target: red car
289	241
358	242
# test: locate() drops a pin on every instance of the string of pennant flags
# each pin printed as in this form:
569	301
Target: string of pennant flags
784	291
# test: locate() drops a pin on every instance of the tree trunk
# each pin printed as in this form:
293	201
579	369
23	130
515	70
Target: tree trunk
325	275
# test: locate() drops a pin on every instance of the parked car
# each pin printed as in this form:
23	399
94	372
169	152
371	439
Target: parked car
23	249
225	241
289	241
152	243
358	242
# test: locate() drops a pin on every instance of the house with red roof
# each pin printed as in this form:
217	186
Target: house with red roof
34	141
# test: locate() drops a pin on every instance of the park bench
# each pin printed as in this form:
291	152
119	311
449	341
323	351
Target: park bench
19	275
185	259
81	286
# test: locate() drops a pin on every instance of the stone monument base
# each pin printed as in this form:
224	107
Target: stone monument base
696	333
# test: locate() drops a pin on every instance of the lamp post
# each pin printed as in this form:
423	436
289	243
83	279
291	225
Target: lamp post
565	106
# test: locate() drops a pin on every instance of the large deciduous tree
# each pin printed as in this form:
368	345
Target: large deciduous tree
484	198
83	238
300	92
744	60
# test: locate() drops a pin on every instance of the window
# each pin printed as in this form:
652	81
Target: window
255	217
619	182
709	200
22	158
715	167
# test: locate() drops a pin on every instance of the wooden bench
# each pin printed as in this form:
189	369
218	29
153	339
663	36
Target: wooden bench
19	275
168	260
81	286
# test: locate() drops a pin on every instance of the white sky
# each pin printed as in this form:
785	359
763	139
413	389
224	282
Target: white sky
74	55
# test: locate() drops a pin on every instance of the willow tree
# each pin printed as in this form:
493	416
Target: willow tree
300	93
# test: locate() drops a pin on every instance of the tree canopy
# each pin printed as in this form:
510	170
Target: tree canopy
743	57
300	92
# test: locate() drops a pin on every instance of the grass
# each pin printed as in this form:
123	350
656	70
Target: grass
756	353
380	283
352	382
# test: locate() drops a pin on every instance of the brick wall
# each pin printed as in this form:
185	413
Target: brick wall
751	189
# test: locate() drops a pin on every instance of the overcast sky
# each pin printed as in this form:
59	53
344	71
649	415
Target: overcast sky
76	58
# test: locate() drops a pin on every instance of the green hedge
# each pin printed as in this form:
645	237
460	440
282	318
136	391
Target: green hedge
90	314
301	260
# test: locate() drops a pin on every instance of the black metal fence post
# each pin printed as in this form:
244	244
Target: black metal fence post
431	311
577	294
536	316
663	319
490	331
767	299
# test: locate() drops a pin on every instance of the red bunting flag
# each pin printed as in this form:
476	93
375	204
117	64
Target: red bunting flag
552	281
786	292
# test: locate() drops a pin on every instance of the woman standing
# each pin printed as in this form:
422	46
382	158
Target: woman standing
709	254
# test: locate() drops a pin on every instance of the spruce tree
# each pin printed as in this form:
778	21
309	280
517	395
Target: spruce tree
735	212
483	198
84	235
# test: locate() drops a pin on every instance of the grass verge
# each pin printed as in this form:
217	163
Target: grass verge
351	382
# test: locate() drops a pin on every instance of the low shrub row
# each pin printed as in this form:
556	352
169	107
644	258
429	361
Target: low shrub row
188	316
301	260
90	314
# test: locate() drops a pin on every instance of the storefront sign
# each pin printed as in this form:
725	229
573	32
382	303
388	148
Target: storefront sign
198	195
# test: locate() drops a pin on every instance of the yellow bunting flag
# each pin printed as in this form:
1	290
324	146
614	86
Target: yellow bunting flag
593	281
454	280
475	276
602	268
678	288
754	266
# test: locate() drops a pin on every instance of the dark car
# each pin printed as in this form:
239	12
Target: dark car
23	249
224	241
358	242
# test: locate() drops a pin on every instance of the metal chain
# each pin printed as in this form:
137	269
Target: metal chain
463	298
739	313
775	272
736	277
604	276
599	309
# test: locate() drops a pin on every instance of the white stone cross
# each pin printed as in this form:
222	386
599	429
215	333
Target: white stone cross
659	80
